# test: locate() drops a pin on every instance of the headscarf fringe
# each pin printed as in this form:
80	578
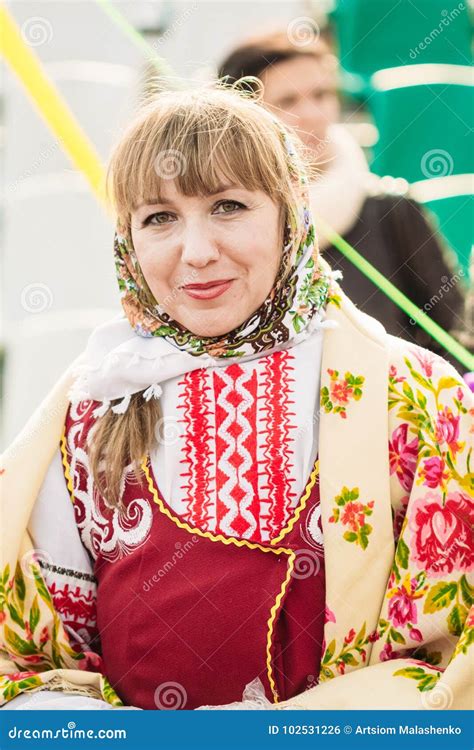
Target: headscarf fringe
101	410
154	391
122	407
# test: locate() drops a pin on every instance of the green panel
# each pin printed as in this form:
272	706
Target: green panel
424	131
376	34
456	221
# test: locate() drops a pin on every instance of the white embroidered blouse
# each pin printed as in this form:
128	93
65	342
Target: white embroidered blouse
236	445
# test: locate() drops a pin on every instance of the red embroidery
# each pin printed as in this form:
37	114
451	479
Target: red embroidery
195	405
77	609
238	506
277	451
223	438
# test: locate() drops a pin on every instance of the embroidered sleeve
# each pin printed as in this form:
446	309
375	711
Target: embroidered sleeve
48	603
65	564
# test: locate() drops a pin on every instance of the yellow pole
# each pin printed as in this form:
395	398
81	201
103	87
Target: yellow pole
50	104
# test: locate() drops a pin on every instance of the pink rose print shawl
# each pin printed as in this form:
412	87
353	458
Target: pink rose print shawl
395	451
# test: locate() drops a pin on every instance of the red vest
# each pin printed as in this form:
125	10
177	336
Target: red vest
186	617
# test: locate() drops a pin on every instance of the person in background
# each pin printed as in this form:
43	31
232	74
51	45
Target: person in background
392	231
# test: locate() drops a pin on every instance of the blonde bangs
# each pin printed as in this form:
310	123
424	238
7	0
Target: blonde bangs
200	140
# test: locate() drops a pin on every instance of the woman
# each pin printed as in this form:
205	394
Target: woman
388	229
225	500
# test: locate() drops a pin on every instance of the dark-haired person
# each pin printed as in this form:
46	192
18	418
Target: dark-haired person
392	231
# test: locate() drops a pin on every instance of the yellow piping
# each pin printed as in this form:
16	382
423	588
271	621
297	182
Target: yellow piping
301	506
193	530
67	468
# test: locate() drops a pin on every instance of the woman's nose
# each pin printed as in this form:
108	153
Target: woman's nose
199	247
309	112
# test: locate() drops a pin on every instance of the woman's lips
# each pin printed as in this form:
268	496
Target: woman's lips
207	291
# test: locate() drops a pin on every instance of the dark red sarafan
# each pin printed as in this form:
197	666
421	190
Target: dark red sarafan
189	618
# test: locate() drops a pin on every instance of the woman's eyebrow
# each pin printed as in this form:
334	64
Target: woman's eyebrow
161	200
223	188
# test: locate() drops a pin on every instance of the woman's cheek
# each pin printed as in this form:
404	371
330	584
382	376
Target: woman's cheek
157	266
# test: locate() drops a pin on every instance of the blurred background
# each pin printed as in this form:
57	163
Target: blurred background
381	90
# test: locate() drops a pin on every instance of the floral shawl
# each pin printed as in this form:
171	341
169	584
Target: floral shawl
396	497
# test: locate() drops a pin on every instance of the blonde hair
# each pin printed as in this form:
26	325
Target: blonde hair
197	138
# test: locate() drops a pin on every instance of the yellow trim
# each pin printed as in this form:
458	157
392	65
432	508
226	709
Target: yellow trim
271	622
67	467
301	506
193	530
239	543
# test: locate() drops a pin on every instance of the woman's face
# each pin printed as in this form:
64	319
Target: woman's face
210	261
302	91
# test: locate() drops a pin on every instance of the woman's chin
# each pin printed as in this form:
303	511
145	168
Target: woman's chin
210	323
211	331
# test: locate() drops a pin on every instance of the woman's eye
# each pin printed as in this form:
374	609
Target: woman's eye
228	207
287	102
158	219
320	94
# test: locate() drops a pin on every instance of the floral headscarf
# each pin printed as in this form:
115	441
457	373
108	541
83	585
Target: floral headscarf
300	289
